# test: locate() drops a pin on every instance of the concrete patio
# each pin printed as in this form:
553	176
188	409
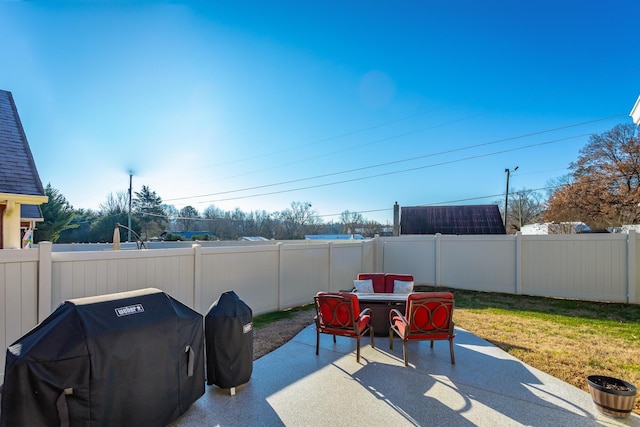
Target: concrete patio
486	387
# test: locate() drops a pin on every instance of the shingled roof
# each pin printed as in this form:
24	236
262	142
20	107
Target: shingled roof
474	219
33	212
18	173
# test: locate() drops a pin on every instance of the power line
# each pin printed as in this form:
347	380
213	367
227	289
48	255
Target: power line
532	190
387	163
392	172
345	149
330	138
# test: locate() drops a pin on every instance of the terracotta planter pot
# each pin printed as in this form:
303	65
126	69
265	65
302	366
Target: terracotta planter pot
612	396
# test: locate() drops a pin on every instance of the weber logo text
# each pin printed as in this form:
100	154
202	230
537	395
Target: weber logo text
130	309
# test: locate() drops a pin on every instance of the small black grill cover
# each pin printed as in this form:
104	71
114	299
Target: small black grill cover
228	330
127	359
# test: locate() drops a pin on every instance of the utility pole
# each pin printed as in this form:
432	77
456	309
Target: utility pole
506	197
129	219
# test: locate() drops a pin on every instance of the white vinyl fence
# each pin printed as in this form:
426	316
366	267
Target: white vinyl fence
270	277
593	267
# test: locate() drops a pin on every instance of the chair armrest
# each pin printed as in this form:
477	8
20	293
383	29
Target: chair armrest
394	312
363	312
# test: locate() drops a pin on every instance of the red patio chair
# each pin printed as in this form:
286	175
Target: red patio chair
428	316
339	314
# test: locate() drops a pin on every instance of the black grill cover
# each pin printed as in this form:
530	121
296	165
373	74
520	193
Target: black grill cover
229	336
127	359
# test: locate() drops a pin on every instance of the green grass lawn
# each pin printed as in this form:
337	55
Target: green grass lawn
264	319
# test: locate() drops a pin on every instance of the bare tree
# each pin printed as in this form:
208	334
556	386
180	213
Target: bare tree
351	221
171	213
238	224
115	204
370	228
215	221
605	190
525	207
260	223
188	218
299	220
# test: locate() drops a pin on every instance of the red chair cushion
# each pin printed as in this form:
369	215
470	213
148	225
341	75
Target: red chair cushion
364	321
399	324
401	327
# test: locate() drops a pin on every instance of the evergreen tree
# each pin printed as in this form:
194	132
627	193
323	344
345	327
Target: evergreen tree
82	223
57	214
149	212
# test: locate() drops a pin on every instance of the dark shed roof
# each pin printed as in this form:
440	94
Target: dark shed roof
30	212
18	173
474	219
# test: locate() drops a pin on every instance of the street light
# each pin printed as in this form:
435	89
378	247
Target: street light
506	197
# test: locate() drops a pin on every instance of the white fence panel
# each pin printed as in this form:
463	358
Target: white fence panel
485	263
252	273
635	290
369	256
85	274
411	255
304	271
18	295
346	262
592	267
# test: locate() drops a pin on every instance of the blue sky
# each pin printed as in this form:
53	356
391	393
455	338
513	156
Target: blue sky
346	105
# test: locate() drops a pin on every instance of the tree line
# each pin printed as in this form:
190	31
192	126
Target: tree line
602	189
150	219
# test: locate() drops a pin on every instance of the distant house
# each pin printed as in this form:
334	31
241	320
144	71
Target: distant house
333	237
21	191
469	219
253	239
544	228
626	228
